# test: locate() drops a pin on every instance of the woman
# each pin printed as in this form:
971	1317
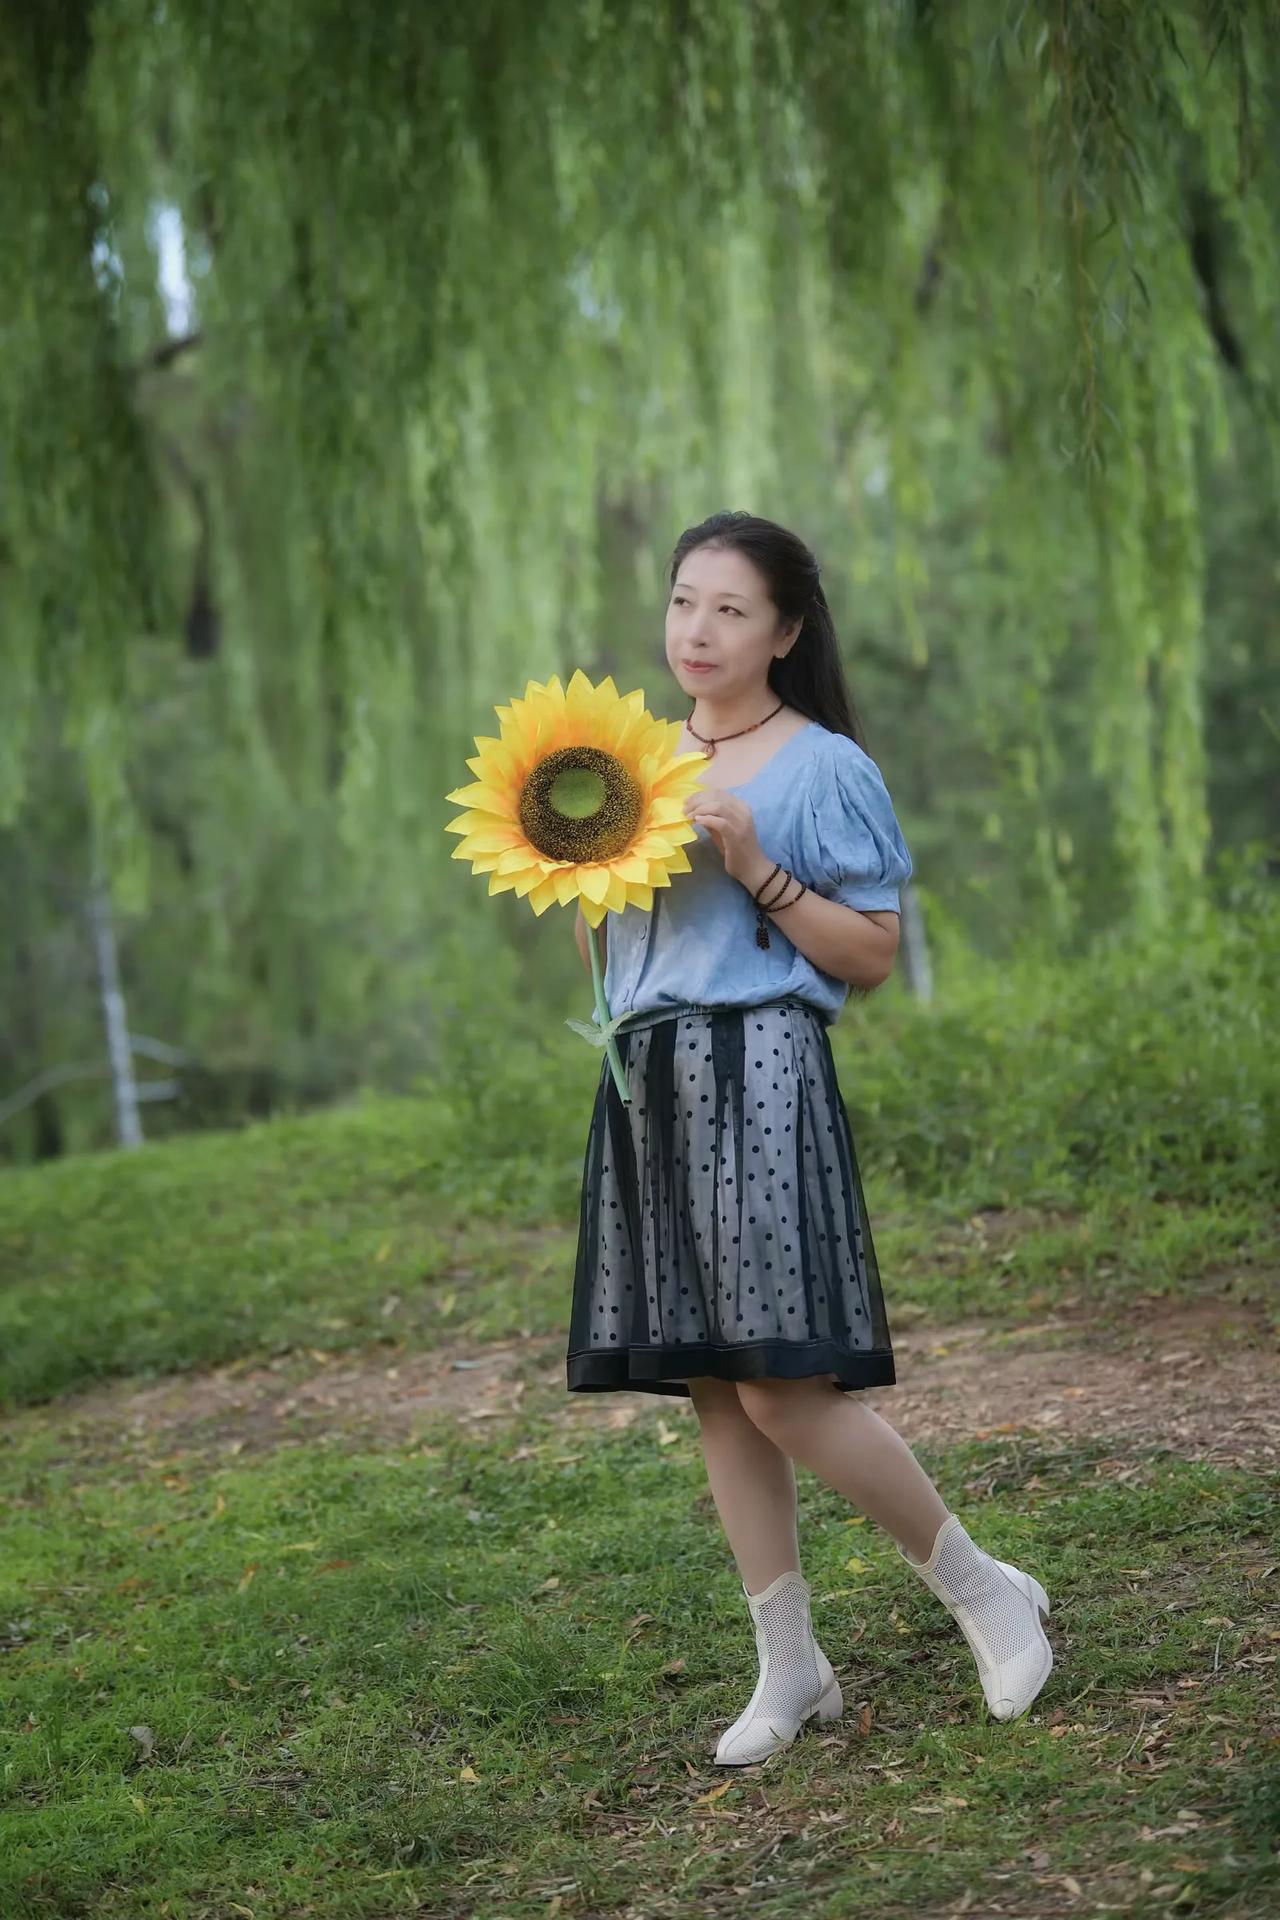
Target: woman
724	1250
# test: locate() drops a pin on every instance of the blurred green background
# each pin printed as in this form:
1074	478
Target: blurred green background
359	366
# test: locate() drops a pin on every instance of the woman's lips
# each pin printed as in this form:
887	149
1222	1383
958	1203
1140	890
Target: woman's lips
700	666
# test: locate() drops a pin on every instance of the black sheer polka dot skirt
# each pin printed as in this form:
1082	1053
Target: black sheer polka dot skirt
722	1227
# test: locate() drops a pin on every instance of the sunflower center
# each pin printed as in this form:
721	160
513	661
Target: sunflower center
578	792
580	804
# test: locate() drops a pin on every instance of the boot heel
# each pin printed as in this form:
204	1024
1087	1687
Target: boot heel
831	1705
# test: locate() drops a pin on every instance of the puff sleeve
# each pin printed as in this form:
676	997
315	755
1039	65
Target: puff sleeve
850	837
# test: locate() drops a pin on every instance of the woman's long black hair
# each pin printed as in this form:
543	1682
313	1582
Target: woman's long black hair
811	677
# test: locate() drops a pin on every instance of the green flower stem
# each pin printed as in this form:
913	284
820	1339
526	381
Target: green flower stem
602	1008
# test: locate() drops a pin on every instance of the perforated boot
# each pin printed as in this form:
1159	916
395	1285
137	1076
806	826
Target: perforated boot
998	1609
796	1680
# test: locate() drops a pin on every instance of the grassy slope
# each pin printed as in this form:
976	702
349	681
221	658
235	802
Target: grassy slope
1127	1107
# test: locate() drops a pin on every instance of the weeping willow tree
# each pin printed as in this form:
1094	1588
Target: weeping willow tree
486	308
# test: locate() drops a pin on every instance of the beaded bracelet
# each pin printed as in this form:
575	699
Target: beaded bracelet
776	904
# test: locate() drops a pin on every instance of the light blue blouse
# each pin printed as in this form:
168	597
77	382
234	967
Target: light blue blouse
822	809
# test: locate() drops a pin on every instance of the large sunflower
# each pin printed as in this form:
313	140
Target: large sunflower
580	798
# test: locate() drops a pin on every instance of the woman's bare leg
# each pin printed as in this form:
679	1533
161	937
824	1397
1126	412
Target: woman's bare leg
753	1483
853	1449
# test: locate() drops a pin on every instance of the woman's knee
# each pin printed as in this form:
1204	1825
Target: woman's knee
715	1398
774	1405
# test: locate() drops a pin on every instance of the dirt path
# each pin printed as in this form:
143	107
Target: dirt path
1200	1379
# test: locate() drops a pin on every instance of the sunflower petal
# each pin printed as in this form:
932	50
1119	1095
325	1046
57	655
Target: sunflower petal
481	794
494	839
477	817
543	896
679	776
516	859
652	846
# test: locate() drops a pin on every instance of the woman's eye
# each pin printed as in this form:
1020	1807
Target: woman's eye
725	608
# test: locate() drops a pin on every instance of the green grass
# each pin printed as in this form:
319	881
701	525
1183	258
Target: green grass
482	1673
452	1677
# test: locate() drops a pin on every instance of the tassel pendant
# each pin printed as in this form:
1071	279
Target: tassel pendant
762	930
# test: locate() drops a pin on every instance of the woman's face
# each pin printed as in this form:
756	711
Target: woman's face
720	614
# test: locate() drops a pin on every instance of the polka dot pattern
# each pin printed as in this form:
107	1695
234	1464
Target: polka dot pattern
723	1228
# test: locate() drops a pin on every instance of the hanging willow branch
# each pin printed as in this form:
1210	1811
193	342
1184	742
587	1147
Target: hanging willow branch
460	277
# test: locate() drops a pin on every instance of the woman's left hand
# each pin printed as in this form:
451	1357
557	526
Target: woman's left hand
732	826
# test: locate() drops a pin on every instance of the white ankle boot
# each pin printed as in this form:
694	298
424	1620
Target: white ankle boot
998	1609
796	1680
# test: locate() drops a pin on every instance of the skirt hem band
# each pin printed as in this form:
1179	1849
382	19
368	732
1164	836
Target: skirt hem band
643	1369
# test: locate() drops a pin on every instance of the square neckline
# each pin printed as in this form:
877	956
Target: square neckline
777	754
